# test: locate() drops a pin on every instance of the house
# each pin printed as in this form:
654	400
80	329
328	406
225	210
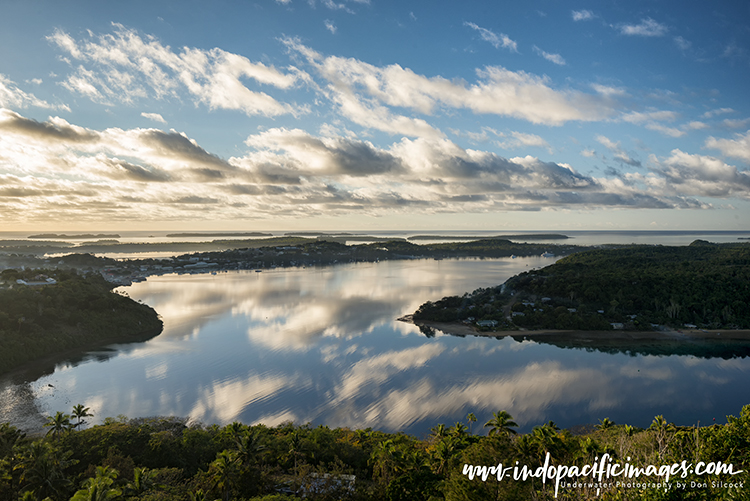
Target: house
617	325
487	323
37	282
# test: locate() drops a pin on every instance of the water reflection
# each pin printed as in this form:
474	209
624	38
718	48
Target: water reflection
322	345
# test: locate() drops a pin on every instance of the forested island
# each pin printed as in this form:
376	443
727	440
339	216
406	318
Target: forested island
171	459
642	287
48	312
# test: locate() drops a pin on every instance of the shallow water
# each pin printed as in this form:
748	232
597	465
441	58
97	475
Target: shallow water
323	345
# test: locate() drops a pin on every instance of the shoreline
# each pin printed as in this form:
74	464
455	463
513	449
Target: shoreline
457	329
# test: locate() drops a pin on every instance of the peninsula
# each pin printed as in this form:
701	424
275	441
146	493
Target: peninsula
48	312
632	288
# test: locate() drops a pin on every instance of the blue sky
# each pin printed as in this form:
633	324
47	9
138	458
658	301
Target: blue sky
357	115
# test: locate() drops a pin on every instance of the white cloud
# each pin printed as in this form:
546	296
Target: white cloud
702	175
521	139
123	66
647	28
554	58
588	153
330	26
720	111
497	41
735	123
12	95
617	151
695	125
682	43
156	117
739	147
359	88
582	15
79	174
609	91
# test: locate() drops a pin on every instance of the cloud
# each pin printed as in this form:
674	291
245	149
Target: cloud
362	91
12	95
521	139
56	129
582	15
554	58
123	66
497	41
330	26
701	175
682	43
156	117
716	112
618	153
647	28
739	147
85	175
735	123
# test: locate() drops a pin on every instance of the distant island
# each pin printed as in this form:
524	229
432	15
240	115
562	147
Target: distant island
641	288
219	234
530	236
83	236
46	313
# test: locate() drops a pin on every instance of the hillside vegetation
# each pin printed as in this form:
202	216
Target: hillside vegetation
641	287
77	311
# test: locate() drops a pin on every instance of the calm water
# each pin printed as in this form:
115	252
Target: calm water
322	345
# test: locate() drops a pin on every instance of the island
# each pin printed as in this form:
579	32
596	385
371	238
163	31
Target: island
48	313
627	288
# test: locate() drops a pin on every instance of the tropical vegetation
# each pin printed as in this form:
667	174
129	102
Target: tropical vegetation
643	287
67	310
170	459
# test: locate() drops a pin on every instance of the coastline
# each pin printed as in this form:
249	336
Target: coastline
457	329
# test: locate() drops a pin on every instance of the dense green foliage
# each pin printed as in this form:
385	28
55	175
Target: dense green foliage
75	312
640	287
167	459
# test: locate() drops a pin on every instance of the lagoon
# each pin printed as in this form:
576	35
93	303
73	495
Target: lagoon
323	345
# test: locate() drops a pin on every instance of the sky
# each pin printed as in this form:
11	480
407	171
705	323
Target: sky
374	115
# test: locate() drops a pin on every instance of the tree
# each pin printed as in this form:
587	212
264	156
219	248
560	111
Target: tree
605	424
58	425
42	469
100	487
501	424
80	412
471	418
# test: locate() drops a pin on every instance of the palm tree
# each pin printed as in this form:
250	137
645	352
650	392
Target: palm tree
100	487
144	480
42	469
605	424
458	430
438	431
225	471
58	425
501	424
471	418
80	412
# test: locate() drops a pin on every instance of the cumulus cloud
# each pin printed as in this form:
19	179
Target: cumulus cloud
739	147
330	26
123	66
646	28
554	58
497	40
701	175
82	174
